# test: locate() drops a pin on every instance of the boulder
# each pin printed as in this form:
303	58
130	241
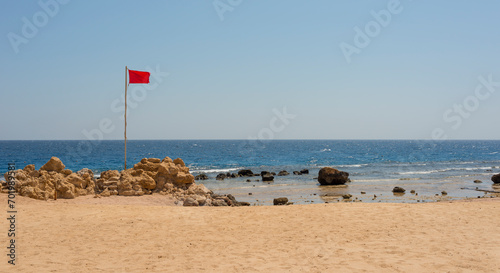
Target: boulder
148	164
108	174
221	176
398	190
304	171
201	176
169	172
190	202
105	193
245	173
198	189
332	176
496	178
478	181
347	196
267	176
179	162
280	201
53	165
297	173
29	168
283	173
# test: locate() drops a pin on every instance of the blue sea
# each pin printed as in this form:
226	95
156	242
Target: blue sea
375	166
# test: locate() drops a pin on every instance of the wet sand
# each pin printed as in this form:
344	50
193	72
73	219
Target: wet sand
145	234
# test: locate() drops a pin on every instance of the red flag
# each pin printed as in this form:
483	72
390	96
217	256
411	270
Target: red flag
138	76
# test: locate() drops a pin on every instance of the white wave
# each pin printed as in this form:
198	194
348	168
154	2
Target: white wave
352	166
423	172
326	150
446	170
215	170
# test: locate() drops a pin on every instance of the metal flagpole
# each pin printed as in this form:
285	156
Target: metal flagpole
126	83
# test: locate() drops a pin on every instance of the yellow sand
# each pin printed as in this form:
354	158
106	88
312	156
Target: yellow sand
142	234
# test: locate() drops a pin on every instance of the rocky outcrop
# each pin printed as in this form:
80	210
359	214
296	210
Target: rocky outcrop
496	178
267	176
42	184
150	175
304	171
332	176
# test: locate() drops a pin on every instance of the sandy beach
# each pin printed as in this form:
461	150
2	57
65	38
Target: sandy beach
148	234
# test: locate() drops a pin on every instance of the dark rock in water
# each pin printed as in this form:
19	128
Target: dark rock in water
331	176
283	173
412	191
235	175
297	173
273	173
280	201
478	181
248	180
444	193
245	173
363	192
347	196
190	202
496	178
489	170
304	171
221	176
267	176
244	204
201	176
398	190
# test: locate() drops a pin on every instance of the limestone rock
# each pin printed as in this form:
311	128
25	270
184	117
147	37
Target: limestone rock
29	168
54	165
108	174
106	193
190	202
180	162
331	176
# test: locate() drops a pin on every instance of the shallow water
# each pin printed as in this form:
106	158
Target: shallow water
375	166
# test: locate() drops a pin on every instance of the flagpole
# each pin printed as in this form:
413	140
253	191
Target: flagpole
125	134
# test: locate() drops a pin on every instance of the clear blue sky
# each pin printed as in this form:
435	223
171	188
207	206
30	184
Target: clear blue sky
227	71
